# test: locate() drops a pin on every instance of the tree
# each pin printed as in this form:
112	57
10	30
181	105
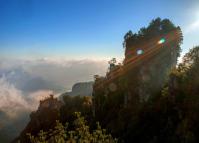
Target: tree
80	133
112	63
156	28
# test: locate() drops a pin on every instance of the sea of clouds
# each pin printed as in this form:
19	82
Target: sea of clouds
23	83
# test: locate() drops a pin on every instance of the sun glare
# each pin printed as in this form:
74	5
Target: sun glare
194	24
161	41
139	52
197	14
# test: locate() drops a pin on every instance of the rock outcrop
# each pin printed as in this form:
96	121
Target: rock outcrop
81	89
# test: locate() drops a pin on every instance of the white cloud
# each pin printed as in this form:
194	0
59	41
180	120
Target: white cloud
15	107
13	103
54	73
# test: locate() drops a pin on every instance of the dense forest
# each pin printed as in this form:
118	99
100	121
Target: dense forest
152	98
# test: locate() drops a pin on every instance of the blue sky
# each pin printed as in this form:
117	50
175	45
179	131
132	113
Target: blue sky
76	29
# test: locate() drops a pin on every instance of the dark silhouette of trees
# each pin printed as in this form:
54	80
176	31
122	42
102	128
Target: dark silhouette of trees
80	133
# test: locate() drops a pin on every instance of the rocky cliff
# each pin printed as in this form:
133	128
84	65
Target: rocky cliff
81	89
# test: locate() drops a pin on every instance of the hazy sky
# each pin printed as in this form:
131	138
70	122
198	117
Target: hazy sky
76	29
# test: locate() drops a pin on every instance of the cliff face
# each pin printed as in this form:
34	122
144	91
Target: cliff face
149	56
81	89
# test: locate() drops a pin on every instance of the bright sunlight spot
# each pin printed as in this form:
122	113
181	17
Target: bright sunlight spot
161	41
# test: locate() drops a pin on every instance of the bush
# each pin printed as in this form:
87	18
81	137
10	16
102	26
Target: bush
80	133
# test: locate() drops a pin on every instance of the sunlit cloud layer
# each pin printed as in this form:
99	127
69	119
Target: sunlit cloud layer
51	73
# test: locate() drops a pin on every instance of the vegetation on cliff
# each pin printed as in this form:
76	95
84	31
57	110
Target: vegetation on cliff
80	133
169	116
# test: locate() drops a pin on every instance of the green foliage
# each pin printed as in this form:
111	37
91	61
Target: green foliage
80	134
157	27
